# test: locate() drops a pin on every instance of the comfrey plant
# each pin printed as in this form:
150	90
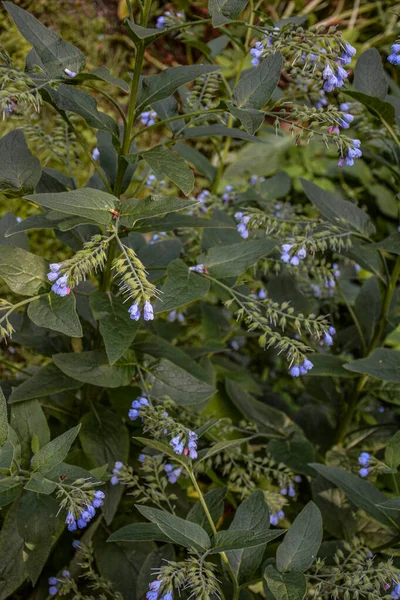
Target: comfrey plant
199	363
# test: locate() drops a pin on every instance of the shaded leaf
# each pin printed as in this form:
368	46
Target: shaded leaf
93	367
256	86
300	546
19	169
181	287
23	272
223	11
167	164
54	452
233	260
285	586
56	313
139	532
382	363
47	380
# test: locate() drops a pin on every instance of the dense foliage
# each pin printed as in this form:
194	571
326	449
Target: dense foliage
200	314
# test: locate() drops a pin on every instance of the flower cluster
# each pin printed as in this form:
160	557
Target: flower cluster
194	575
137	406
294	258
328	337
169	19
243	222
175	316
83	511
173	473
55	583
153	593
274	517
364	461
353	151
135	313
117	468
226	196
60	287
148	118
178	445
394	57
302	369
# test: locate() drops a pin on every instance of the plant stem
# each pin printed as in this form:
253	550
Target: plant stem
214	530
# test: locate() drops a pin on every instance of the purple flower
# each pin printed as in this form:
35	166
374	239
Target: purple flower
155	585
302	253
152	595
174	475
295	371
273	519
294	261
133	414
167	596
52	580
148	118
114	480
82	523
363	472
60	287
95	154
118	466
197	268
148	313
76	544
134	312
53	590
328	339
69	73
364	459
160	23
66	573
307	364
347	119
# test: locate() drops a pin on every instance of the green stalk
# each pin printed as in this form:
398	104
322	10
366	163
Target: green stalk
214	530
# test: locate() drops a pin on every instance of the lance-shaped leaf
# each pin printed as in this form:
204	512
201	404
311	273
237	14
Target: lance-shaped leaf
197	159
181	287
54	452
93	367
135	209
158	87
256	86
20	171
300	546
382	363
379	108
103	74
285	586
167	164
142	35
233	260
86	202
229	540
223	11
369	75
180	385
178	530
3	419
214	500
56	313
221	447
55	53
48	380
23	272
139	532
250	118
218	131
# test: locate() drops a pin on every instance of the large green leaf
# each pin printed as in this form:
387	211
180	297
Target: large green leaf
300	546
392	452
181	287
180	385
223	11
368	307
12	553
86	202
139	532
338	211
252	515
115	325
30	424
23	272
69	98
362	493
382	363
104	438
369	75
285	586
197	159
242	541
215	504
158	87
48	380
167	164
256	86
178	530
175	221
233	260
250	118
218	130
390	244
134	209
327	365
55	54
19	169
3	419
54	452
378	108
56	313
93	367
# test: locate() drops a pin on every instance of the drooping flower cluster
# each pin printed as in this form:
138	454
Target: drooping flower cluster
292	258
274	517
153	593
302	369
226	196
60	287
178	444
169	19
56	582
394	57
176	316
137	406
135	312
82	508
148	118
117	468
364	460
242	226
288	491
353	151
194	575
328	337
173	473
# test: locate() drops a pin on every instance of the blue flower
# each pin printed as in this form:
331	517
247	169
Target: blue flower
363	472
114	480
328	339
66	573
174	475
95	154
273	519
364	459
394	57
177	445
152	595
133	414
167	596
52	580
82	523
118	466
148	118
61	287
76	544
53	590
291	491
346	120
295	371
148	313
155	585
197	268
69	73
352	153
134	312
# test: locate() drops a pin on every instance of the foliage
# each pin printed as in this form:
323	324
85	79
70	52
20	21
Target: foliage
200	370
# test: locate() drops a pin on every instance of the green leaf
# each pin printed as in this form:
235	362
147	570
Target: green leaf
3	419
158	87
167	164
10	489
390	244
221	446
252	515
185	221
70	99
338	211
184	533
233	260
180	385
223	11
295	453
368	307
12	554
197	159
229	540
139	532
93	367
54	452
30	424
276	186
134	209
382	363
285	586
56	313
367	257
23	272
116	327
369	75
104	438
218	131
362	493
55	54
86	202
256	86
47	380
250	118
300	546
40	485
181	287
215	504
19	169
142	35
327	365
378	108
103	74
6	456
7	222
392	452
